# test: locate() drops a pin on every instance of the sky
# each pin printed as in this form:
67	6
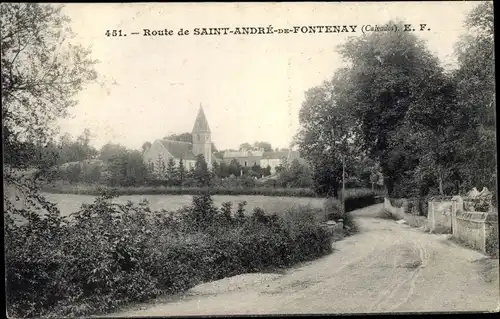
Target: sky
250	86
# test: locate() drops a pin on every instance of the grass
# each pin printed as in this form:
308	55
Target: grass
84	189
69	203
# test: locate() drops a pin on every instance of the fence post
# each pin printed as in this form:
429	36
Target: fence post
483	241
453	217
433	218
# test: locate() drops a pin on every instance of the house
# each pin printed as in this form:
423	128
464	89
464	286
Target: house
276	159
249	158
244	157
161	151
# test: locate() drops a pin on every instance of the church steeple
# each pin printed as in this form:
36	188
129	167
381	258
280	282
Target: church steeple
202	142
201	123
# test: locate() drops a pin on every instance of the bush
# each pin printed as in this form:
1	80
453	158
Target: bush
109	254
333	210
492	243
187	190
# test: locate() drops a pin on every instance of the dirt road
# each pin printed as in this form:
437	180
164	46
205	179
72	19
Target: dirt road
388	267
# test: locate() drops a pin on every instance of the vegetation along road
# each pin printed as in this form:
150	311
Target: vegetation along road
387	267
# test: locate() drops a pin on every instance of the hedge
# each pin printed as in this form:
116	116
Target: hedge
149	190
110	254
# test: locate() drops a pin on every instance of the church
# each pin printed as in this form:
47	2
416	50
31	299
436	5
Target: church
157	156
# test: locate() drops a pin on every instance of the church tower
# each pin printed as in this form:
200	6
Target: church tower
202	141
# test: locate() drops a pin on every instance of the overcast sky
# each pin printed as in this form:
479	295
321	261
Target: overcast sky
251	87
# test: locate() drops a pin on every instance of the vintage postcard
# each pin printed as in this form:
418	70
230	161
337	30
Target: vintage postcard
179	159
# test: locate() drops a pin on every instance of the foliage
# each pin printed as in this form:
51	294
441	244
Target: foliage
109	254
296	176
42	71
172	171
475	80
428	130
492	243
111	150
201	173
127	169
62	188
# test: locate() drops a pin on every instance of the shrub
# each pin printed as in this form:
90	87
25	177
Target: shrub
108	254
333	209
161	189
492	243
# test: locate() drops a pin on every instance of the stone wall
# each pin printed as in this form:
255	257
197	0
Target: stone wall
471	229
478	230
439	216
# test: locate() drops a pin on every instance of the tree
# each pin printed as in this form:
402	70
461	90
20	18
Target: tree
475	79
234	168
245	146
201	173
256	171
267	170
42	72
136	170
263	145
171	171
127	169
216	169
111	150
391	83
328	133
181	171
146	146
183	137
224	170
161	168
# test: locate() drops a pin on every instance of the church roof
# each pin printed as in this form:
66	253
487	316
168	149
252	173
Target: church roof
201	123
179	149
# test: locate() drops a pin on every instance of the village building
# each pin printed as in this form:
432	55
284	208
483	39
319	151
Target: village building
249	158
161	151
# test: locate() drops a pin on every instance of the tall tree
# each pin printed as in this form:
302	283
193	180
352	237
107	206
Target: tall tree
41	73
183	137
245	146
161	168
181	171
263	145
475	78
201	172
234	168
171	170
391	80
145	146
328	133
111	150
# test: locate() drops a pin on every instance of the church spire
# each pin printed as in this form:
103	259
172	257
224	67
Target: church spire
201	123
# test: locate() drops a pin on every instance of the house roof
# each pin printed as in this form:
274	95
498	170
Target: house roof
286	154
201	123
280	154
179	149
